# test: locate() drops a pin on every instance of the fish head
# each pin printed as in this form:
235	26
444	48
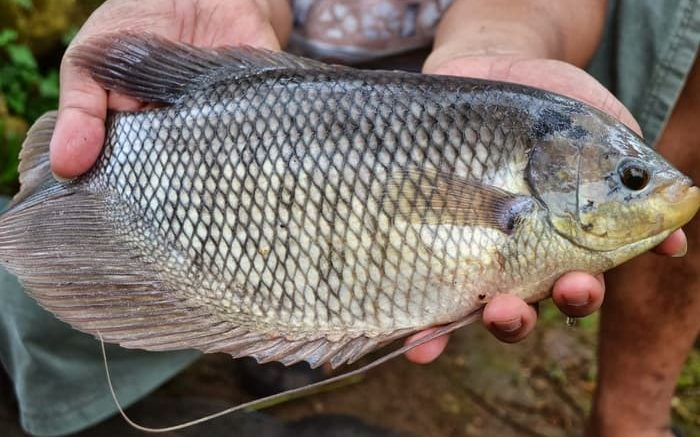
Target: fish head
603	187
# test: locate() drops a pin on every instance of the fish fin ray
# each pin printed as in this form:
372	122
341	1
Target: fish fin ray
316	351
34	165
433	197
74	262
70	259
154	69
53	246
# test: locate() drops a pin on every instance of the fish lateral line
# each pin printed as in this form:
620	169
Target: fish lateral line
292	393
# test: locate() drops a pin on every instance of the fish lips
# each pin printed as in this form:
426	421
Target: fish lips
682	201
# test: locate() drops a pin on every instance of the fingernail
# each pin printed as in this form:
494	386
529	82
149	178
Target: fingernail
578	301
510	325
681	253
61	178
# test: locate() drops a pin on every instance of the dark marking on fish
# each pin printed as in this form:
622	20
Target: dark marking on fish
577	133
551	121
588	206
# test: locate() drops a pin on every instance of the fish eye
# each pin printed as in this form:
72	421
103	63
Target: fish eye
633	174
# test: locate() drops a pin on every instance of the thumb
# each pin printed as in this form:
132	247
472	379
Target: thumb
79	133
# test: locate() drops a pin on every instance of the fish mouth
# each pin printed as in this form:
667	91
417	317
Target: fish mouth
682	203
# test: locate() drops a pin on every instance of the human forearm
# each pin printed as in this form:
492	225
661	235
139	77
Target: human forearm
567	30
279	14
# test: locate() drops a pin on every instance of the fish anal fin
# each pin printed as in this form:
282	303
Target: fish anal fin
316	351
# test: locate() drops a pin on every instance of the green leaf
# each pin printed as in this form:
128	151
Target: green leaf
7	36
16	98
20	55
9	161
48	85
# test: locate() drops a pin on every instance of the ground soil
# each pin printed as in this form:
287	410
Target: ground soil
479	387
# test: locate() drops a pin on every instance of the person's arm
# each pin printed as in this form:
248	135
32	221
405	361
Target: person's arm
83	104
543	44
566	30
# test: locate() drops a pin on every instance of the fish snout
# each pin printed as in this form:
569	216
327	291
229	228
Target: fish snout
681	202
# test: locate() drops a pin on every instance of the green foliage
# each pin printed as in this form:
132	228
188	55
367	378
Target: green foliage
9	157
551	316
69	35
26	4
22	82
690	378
26	92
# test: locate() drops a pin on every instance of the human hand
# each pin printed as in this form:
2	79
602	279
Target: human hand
492	50
80	129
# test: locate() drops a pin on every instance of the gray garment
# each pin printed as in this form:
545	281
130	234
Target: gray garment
58	373
648	50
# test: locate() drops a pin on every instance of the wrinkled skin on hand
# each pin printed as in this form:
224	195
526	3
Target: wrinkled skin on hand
83	106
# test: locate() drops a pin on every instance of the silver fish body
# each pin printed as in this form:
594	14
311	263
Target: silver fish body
272	202
288	210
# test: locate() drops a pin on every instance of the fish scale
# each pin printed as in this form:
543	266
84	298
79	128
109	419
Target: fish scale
352	296
286	209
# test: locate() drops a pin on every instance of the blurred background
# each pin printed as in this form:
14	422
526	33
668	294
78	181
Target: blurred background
33	36
480	387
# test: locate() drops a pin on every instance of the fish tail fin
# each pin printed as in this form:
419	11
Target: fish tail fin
34	164
34	176
37	187
56	237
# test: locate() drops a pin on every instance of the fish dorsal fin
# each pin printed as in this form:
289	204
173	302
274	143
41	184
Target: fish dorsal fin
34	165
154	69
434	197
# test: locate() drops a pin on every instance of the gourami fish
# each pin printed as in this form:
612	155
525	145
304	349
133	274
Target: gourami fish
277	207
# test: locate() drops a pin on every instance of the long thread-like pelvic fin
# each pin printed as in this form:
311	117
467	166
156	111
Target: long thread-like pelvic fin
297	392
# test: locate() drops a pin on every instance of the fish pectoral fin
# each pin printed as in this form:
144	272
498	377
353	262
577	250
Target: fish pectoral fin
433	197
154	69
